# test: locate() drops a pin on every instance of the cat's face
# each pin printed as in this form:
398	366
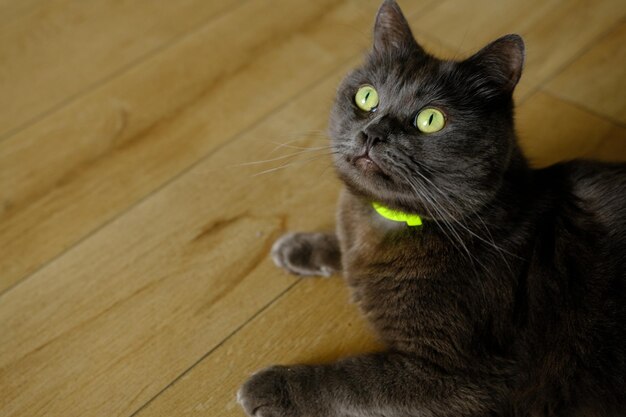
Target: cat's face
450	160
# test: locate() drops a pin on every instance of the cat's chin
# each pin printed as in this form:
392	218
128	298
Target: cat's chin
367	165
364	173
368	180
370	168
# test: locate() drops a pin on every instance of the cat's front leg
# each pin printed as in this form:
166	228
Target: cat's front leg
308	253
284	391
386	384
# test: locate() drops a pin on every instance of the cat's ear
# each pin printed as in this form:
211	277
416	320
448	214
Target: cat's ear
391	30
501	62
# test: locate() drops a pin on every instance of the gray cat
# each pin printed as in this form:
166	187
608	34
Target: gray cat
498	289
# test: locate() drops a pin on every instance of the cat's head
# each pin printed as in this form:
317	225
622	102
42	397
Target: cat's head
425	135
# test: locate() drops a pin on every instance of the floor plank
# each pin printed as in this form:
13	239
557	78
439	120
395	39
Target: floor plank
313	323
555	31
193	278
137	218
133	309
596	81
63	47
66	176
553	130
120	317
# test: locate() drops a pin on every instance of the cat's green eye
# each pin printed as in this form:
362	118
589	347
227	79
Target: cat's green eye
366	98
430	120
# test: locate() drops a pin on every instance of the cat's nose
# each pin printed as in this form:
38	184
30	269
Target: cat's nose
370	137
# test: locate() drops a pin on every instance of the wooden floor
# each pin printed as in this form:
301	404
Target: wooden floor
136	218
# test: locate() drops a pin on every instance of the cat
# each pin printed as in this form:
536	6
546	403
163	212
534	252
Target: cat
508	299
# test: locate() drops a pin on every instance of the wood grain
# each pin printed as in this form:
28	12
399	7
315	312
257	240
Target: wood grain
181	260
555	31
11	10
206	267
67	176
552	130
594	81
161	155
313	323
53	50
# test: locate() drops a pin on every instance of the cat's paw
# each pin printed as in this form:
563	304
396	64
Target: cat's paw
312	254
267	394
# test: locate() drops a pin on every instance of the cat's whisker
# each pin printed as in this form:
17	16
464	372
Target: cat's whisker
330	165
460	223
438	208
491	243
286	145
446	212
277	158
267	171
314	135
443	215
406	177
453	236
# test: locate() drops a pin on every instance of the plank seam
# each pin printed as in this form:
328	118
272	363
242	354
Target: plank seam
159	186
541	85
605	117
184	171
207	354
173	178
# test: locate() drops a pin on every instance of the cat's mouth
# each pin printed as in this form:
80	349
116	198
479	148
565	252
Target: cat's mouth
367	162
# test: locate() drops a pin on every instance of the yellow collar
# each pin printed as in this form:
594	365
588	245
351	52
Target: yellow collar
397	216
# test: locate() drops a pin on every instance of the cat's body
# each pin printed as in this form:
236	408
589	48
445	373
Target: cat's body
508	301
545	312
